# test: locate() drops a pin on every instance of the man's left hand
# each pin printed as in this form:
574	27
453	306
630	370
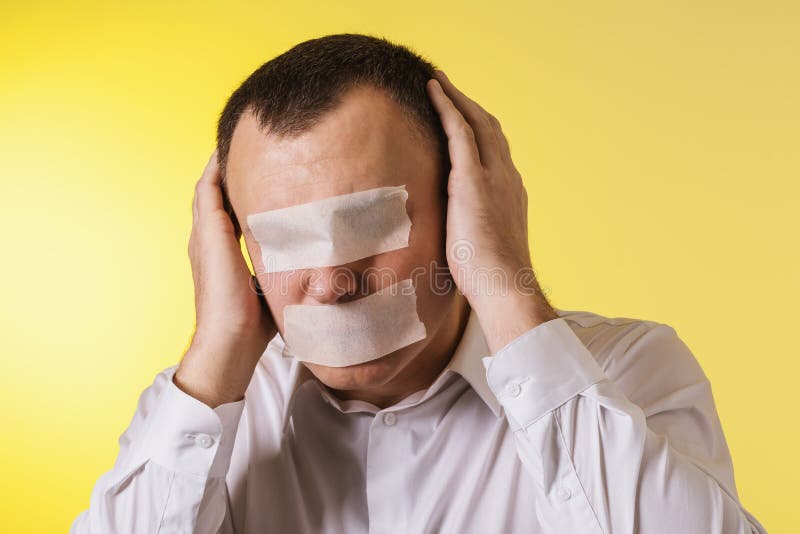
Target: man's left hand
487	220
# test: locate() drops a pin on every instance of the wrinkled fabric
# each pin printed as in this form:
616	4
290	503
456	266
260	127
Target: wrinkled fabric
583	424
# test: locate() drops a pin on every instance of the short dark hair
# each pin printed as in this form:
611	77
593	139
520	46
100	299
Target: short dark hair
289	94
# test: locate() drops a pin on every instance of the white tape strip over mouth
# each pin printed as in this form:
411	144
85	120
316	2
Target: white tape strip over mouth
337	335
332	231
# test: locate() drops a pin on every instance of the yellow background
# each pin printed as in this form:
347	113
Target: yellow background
658	141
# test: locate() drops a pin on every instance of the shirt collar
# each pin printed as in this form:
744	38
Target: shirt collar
466	361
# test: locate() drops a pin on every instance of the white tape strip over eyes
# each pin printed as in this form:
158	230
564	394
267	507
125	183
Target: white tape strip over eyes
353	332
332	231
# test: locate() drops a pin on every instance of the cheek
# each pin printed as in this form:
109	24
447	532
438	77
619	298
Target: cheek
427	254
425	264
427	235
435	288
435	291
281	289
254	252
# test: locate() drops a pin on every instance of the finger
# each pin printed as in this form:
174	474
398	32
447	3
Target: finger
194	208
480	120
211	172
505	149
502	142
207	191
460	137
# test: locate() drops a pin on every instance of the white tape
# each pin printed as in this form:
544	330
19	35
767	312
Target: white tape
332	231
353	332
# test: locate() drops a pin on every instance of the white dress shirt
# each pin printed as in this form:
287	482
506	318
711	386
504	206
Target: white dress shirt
583	424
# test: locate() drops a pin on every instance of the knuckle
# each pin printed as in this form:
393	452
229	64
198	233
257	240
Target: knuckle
202	187
504	141
201	227
465	130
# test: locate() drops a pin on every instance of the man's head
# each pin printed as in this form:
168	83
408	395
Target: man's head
331	116
290	93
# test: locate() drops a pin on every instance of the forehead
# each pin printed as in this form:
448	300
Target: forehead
364	143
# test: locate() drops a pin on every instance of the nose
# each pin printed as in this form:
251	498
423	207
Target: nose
330	285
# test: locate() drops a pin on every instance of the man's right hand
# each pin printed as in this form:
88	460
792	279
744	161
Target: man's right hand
233	325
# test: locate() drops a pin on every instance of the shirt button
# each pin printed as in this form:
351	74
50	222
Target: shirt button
564	493
204	440
513	389
389	418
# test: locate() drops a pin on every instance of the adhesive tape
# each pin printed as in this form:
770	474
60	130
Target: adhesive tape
332	231
353	332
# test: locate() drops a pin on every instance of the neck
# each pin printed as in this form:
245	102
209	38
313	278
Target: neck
425	368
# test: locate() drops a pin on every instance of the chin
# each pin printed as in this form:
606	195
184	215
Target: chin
367	375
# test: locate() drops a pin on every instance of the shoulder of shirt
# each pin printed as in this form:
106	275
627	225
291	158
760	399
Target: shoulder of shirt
609	338
588	319
642	356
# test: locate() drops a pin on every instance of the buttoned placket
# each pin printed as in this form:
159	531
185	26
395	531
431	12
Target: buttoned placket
382	458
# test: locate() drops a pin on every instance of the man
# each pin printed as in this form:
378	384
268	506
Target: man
476	408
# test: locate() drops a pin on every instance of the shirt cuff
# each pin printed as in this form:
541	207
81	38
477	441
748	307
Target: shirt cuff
184	434
540	370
